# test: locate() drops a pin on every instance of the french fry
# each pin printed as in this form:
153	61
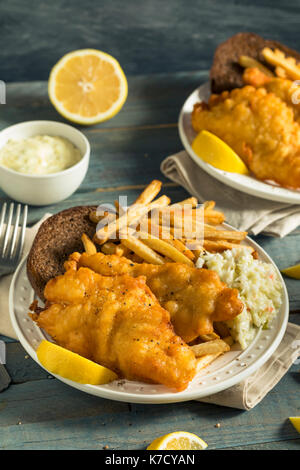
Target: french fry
208	205
278	59
211	232
147	196
191	219
164	248
94	217
213	217
89	246
204	361
178	233
150	226
209	337
248	62
191	201
280	72
142	250
164	233
181	247
210	347
109	248
187	222
133	214
149	193
197	253
119	208
194	245
221	245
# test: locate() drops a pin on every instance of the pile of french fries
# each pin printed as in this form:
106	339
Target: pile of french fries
130	234
284	67
156	231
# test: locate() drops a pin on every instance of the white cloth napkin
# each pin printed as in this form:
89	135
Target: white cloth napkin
6	327
244	212
244	395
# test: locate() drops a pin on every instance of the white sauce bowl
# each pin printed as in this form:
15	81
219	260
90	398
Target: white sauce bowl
41	190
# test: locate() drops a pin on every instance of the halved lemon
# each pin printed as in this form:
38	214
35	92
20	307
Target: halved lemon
292	271
87	86
217	153
179	440
295	420
61	361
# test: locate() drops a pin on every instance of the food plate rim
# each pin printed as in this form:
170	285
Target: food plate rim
171	397
248	184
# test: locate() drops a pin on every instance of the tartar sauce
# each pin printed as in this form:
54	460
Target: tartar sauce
39	155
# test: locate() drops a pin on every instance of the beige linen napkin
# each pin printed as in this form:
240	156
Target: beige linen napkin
6	328
251	391
244	395
245	212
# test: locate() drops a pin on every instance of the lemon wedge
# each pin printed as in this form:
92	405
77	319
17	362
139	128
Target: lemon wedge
61	361
295	420
180	440
292	271
87	86
217	153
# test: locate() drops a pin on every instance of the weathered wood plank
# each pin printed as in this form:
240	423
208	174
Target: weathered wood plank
49	399
160	37
280	445
152	101
20	366
55	416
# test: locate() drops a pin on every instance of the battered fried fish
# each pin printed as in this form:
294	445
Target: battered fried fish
116	322
260	127
283	88
194	297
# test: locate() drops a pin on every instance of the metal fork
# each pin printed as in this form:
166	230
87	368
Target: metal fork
12	237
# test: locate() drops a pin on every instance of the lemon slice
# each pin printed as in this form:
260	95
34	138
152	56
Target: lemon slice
180	440
87	86
292	271
61	361
295	420
217	153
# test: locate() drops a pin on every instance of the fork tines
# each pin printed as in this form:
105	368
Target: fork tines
12	232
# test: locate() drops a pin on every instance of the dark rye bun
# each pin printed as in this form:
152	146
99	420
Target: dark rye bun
226	73
57	238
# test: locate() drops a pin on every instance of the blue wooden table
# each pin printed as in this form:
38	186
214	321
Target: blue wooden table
37	411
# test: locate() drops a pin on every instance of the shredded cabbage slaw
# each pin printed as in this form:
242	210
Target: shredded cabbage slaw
259	287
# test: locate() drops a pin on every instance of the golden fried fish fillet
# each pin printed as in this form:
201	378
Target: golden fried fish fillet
283	88
194	297
260	127
116	322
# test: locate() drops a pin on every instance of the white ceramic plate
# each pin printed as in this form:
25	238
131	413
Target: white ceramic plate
246	184
226	371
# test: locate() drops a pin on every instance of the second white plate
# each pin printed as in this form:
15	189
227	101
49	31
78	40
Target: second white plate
246	184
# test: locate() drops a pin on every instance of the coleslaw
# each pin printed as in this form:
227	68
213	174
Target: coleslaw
259	289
